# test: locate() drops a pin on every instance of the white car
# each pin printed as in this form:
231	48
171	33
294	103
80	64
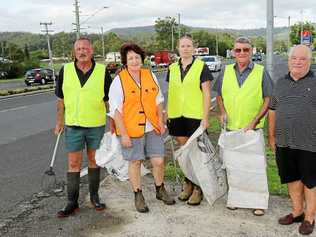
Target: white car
213	62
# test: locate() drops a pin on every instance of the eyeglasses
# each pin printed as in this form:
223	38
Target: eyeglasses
245	50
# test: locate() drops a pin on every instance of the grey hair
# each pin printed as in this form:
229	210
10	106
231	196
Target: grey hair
243	40
308	49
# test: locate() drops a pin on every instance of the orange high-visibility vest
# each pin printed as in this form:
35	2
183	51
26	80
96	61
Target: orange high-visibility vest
139	102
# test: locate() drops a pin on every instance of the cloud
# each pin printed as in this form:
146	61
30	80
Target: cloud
240	14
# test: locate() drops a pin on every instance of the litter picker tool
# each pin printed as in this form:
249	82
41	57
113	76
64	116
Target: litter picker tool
49	177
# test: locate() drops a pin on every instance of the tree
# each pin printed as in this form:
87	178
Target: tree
163	28
295	34
260	44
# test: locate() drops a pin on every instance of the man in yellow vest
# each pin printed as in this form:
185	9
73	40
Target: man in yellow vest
243	93
82	91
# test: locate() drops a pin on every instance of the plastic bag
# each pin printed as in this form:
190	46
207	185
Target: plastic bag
201	164
109	156
244	158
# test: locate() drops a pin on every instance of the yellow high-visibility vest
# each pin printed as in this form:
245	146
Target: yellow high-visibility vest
84	106
185	98
242	104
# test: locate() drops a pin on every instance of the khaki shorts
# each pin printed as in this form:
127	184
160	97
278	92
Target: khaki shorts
149	146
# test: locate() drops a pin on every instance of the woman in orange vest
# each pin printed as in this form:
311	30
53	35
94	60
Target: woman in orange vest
136	104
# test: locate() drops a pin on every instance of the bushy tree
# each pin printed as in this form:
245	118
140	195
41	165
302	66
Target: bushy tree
295	34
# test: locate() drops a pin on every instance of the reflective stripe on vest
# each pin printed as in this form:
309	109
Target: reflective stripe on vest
84	106
139	102
185	98
242	104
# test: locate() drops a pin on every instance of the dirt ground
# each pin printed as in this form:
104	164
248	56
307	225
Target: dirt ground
182	220
121	219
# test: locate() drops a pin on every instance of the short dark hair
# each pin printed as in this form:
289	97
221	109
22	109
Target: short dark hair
84	38
243	40
131	47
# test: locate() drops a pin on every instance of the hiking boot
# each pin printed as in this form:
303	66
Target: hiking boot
94	183
73	181
69	210
140	202
187	190
196	196
161	194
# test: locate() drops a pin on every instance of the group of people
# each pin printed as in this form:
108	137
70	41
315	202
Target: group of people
136	106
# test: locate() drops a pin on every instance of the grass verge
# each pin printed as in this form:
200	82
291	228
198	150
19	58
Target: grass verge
275	187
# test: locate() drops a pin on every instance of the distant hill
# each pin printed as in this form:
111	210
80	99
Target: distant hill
280	32
38	41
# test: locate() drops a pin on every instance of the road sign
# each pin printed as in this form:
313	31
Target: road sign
306	37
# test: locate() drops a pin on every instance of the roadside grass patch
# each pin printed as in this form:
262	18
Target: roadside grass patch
275	186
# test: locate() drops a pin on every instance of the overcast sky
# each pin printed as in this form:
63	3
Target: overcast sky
26	15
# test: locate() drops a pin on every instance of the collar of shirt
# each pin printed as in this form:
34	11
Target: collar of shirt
180	63
249	67
309	74
91	69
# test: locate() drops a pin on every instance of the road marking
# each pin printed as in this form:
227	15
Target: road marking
13	109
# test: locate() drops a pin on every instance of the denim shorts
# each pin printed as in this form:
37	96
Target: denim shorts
77	138
148	146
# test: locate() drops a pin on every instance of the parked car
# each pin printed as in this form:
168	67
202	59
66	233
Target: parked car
39	76
257	57
213	62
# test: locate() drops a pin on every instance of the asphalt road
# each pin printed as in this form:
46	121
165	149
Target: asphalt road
26	145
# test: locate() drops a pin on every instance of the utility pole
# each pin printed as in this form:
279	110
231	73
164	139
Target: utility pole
216	42
103	46
77	24
289	33
172	39
302	23
270	18
179	29
50	54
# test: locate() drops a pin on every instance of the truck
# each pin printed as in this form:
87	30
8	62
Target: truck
162	58
113	61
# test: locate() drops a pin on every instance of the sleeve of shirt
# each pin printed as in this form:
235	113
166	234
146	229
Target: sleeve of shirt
59	84
107	84
274	99
159	98
116	97
206	74
267	84
217	86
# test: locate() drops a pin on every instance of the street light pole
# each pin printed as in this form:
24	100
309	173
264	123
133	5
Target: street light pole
270	17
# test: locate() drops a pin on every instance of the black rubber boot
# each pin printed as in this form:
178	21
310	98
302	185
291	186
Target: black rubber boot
94	182
73	181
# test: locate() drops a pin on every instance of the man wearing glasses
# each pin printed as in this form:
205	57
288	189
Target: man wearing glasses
243	92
